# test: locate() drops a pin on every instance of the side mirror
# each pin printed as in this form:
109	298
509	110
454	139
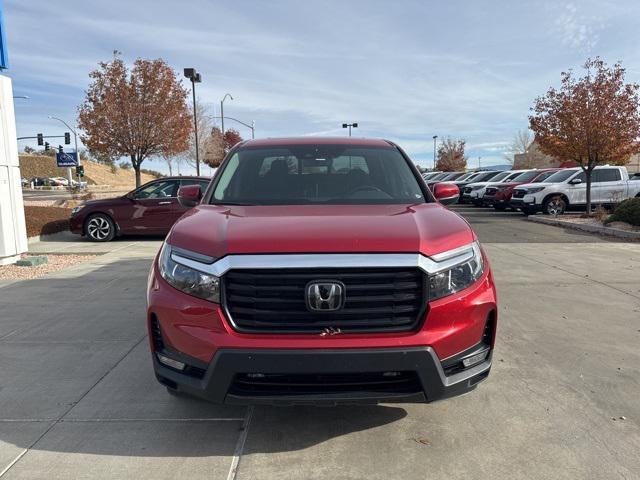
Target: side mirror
575	181
189	195
446	193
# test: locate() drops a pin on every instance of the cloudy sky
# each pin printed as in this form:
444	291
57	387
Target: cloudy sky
404	70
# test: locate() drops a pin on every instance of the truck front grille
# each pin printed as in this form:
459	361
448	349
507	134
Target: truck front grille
273	300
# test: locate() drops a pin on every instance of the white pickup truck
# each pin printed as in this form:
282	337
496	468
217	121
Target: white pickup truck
567	189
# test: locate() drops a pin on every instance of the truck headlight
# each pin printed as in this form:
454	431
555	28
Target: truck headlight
457	277
535	189
186	279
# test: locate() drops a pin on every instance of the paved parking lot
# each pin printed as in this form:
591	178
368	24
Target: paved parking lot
78	398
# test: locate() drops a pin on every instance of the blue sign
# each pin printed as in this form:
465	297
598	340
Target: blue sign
65	159
4	56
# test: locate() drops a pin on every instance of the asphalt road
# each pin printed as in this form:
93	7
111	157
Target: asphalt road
78	398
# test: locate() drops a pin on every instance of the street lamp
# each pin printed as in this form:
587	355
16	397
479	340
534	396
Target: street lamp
222	109
195	77
349	125
252	126
75	140
435	137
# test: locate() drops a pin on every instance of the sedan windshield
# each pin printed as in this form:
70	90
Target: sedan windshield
310	174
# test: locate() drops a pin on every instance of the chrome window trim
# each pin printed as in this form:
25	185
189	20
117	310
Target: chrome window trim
430	265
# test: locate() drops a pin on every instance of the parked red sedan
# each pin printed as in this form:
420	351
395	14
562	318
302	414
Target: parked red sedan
499	195
150	209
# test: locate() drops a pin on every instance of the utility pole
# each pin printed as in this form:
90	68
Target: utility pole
195	77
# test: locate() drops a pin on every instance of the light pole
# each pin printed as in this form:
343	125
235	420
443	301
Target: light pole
252	127
195	77
479	163
75	141
222	110
435	137
349	125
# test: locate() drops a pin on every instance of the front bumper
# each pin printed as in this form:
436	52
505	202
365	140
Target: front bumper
220	382
527	202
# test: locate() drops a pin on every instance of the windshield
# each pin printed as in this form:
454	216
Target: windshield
465	176
500	176
310	174
560	176
430	175
486	176
526	176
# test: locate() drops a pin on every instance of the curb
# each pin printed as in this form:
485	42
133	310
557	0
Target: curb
610	231
45	237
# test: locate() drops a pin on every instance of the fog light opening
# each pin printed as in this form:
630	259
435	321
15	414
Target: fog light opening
475	358
170	362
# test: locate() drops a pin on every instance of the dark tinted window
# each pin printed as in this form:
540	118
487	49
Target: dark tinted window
307	174
606	175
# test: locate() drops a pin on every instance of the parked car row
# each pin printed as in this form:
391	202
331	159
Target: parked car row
551	190
50	182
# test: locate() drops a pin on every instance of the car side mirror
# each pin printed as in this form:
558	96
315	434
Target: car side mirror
575	181
446	193
189	195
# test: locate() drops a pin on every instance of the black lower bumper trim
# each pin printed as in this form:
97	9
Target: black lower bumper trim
325	376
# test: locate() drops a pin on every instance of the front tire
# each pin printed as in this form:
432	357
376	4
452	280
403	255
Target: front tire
100	228
554	205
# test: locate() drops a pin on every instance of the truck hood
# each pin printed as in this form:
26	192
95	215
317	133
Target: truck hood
533	185
217	231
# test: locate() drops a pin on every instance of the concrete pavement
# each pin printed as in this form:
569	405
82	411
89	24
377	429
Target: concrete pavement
78	398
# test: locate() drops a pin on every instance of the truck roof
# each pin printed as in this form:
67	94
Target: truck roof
356	142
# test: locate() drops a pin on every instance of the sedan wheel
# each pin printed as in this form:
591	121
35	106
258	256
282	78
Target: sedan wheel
100	228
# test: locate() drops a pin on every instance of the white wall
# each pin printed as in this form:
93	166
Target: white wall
13	234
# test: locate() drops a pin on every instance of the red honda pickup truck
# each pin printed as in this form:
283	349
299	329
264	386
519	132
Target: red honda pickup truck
320	271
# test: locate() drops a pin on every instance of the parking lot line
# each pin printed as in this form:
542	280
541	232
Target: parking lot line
235	462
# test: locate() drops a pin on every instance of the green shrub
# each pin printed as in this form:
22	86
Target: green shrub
125	165
628	211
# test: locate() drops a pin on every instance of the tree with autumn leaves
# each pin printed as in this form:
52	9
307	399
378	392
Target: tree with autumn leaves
451	156
138	113
592	120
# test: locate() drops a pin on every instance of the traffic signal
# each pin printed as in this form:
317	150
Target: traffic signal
46	146
40	139
80	170
60	148
67	138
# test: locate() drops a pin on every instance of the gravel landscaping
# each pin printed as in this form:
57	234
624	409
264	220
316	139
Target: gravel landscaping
55	263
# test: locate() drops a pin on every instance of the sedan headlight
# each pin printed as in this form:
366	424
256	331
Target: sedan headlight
458	276
75	210
186	279
535	189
